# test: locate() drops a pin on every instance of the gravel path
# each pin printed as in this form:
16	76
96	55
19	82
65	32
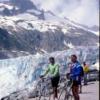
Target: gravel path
89	92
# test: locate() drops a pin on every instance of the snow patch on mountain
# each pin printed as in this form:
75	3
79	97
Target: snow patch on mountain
97	33
64	30
33	11
2	5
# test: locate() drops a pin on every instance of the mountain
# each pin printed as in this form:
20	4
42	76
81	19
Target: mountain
26	29
19	34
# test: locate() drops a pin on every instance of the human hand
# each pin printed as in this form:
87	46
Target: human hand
51	76
68	75
41	76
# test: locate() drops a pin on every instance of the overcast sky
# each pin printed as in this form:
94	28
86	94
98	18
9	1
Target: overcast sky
82	11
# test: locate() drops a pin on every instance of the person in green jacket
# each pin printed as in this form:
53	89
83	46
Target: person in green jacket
53	70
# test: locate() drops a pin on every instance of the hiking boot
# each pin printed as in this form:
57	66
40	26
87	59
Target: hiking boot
80	92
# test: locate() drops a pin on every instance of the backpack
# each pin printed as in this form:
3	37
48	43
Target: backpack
82	72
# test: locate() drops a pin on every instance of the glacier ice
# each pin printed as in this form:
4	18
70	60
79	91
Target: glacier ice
22	73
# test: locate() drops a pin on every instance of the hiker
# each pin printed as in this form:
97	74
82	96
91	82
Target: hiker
75	75
86	70
53	69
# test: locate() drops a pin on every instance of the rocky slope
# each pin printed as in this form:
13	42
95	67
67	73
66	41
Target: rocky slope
28	36
26	29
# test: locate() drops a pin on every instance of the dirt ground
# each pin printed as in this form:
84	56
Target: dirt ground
89	92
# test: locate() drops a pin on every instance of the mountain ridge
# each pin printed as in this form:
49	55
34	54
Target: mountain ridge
29	30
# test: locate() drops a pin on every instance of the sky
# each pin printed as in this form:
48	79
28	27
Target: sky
82	11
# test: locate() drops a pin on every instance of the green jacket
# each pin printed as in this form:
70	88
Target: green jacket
53	70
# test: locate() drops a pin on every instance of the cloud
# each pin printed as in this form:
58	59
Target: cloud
47	4
86	13
82	11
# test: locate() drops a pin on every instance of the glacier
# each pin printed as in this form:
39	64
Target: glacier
21	73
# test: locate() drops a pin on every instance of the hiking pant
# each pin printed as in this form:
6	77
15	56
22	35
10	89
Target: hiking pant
85	79
75	91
